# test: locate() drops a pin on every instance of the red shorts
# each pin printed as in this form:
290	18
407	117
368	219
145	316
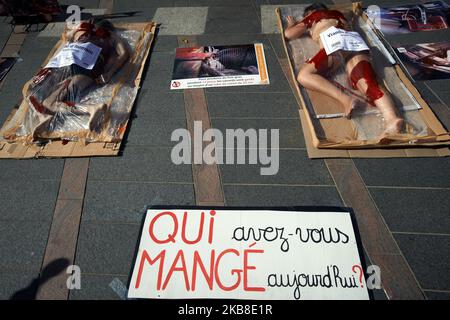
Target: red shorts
320	60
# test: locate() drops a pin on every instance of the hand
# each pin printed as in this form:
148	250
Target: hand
290	21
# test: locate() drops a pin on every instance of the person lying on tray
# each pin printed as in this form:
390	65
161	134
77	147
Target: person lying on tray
322	22
56	90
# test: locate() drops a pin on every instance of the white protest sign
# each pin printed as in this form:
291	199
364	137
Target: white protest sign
83	54
334	39
247	254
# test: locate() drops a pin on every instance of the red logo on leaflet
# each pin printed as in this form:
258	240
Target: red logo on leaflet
176	84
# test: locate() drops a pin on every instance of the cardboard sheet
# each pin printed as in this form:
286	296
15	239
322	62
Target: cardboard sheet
343	138
59	148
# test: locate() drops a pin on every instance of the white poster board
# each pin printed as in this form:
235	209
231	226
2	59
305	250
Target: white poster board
247	254
219	66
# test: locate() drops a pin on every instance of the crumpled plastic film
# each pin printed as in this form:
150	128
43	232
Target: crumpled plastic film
367	121
98	112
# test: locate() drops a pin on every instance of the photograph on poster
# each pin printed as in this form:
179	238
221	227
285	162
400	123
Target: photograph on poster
428	16
426	61
219	66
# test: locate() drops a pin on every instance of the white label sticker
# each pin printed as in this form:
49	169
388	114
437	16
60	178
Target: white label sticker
83	54
334	39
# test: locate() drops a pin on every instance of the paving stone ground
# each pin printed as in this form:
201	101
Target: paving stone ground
411	194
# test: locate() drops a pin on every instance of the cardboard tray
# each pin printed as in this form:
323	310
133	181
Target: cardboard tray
434	146
63	149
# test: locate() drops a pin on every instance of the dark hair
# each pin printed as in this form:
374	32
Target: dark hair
314	7
105	24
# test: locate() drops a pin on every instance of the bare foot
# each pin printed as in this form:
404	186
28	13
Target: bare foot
394	126
39	107
95	112
290	21
348	109
42	126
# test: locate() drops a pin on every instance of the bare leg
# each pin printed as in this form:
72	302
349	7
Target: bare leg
72	85
384	103
58	95
311	79
43	122
54	104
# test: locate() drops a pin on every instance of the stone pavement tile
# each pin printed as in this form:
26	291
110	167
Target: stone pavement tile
153	132
220	39
220	3
439	85
402	209
159	105
26	170
81	3
378	294
277	45
12	283
107	248
436	295
428	258
278	81
235	19
252	105
140	164
161	61
294	168
181	20
123	5
126	202
158	81
410	172
132	14
8	100
164	44
32	200
290	132
444	96
34	45
257	195
97	287
22	245
435	100
5	32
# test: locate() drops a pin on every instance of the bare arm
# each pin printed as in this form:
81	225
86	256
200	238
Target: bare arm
114	63
70	33
294	29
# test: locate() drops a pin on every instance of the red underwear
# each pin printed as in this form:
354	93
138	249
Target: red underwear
318	15
320	60
363	70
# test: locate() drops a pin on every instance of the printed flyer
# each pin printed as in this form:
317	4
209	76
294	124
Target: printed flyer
219	66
